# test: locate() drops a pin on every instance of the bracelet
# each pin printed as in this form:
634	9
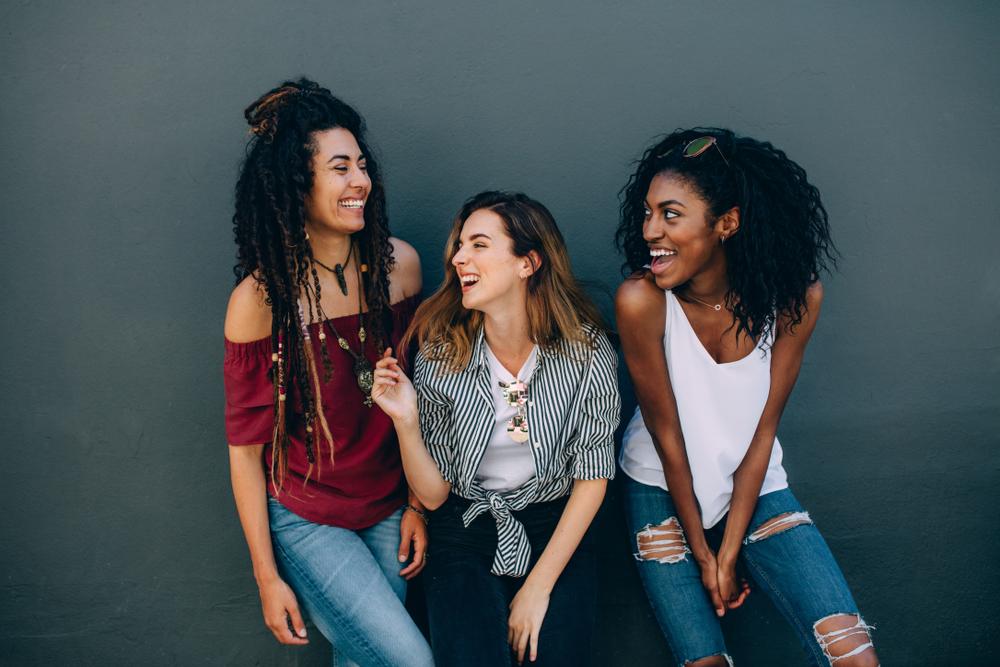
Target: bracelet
414	509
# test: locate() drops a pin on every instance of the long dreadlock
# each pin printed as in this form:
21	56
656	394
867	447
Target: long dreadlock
269	225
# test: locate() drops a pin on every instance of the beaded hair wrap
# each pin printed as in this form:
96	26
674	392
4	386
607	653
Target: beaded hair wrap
307	348
262	116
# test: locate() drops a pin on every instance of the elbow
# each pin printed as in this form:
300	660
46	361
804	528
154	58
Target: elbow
433	498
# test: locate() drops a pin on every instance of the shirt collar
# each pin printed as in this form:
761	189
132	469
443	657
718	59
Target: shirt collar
478	359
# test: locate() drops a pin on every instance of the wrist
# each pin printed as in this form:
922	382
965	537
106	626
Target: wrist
409	420
727	557
266	576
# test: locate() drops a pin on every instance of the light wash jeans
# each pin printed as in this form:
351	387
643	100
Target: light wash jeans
348	583
793	567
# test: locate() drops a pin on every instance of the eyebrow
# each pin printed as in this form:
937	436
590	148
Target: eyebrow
480	235
669	202
345	157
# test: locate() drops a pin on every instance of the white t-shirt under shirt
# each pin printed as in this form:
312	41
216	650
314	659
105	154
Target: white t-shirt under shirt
506	465
719	407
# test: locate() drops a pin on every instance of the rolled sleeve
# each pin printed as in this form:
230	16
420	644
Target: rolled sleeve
436	419
592	450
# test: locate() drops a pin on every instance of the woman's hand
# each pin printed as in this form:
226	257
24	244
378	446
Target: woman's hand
732	590
721	583
393	391
280	605
412	530
527	612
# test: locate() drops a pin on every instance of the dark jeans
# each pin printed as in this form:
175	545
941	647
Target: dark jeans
468	607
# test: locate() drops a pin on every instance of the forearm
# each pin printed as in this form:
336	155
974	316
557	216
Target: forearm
747	482
249	480
422	473
677	473
582	506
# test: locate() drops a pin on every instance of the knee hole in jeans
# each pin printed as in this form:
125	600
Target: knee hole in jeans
664	543
778	524
846	640
721	660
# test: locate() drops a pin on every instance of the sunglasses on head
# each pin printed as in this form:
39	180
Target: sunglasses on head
697	147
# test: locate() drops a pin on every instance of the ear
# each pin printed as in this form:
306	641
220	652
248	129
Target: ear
532	262
728	223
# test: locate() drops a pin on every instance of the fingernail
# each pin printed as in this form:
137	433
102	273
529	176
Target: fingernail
302	632
402	558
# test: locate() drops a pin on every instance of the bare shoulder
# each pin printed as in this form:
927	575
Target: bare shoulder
406	278
810	313
248	317
637	300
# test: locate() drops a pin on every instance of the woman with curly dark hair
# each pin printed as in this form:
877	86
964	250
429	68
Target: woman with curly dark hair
724	240
322	289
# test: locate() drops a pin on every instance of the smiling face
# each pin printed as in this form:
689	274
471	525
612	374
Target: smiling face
489	272
682	235
340	185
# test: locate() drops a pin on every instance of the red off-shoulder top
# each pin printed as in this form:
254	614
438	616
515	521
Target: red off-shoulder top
366	483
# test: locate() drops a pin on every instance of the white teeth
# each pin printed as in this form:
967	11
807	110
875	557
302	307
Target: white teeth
661	253
469	279
352	203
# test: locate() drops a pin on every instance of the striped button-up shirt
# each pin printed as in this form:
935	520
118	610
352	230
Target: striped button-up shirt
572	411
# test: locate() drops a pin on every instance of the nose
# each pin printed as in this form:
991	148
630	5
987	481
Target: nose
459	258
650	230
359	179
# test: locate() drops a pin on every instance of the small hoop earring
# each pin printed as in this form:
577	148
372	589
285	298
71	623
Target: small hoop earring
722	239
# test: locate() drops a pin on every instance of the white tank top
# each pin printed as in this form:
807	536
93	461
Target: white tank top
719	407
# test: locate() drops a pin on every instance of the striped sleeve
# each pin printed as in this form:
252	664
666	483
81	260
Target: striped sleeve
592	449
436	417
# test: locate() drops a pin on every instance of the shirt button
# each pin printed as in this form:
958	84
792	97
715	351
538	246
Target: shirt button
538	445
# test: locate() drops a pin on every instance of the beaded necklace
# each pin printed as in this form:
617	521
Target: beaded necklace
362	367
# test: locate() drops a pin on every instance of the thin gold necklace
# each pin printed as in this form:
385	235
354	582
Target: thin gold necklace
717	306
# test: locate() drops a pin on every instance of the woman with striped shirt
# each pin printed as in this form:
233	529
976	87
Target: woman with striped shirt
507	433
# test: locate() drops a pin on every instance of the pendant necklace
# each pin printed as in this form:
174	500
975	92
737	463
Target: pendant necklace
338	270
362	367
717	306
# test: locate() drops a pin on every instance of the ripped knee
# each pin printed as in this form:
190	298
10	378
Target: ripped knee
846	641
721	660
778	524
664	543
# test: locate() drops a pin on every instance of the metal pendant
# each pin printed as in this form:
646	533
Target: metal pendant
366	379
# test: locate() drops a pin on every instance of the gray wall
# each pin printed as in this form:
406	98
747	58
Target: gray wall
121	129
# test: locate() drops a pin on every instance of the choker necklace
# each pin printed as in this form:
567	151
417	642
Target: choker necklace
338	270
362	367
717	306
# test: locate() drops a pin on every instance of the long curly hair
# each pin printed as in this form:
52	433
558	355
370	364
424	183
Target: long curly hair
269	225
558	307
783	242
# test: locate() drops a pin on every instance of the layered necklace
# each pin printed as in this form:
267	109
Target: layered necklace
362	367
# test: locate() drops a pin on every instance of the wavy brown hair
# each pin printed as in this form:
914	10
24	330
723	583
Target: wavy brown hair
558	308
269	225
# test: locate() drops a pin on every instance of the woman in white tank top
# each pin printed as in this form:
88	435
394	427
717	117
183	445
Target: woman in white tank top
724	238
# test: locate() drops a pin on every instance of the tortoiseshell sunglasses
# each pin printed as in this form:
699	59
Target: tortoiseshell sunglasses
696	148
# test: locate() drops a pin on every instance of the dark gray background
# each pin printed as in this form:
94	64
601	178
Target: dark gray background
121	129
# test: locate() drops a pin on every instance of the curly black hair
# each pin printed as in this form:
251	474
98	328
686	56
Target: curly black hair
783	242
269	225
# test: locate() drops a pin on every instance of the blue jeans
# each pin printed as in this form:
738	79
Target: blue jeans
348	583
793	567
468	606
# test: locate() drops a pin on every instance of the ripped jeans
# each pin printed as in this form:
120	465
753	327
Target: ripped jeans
790	563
